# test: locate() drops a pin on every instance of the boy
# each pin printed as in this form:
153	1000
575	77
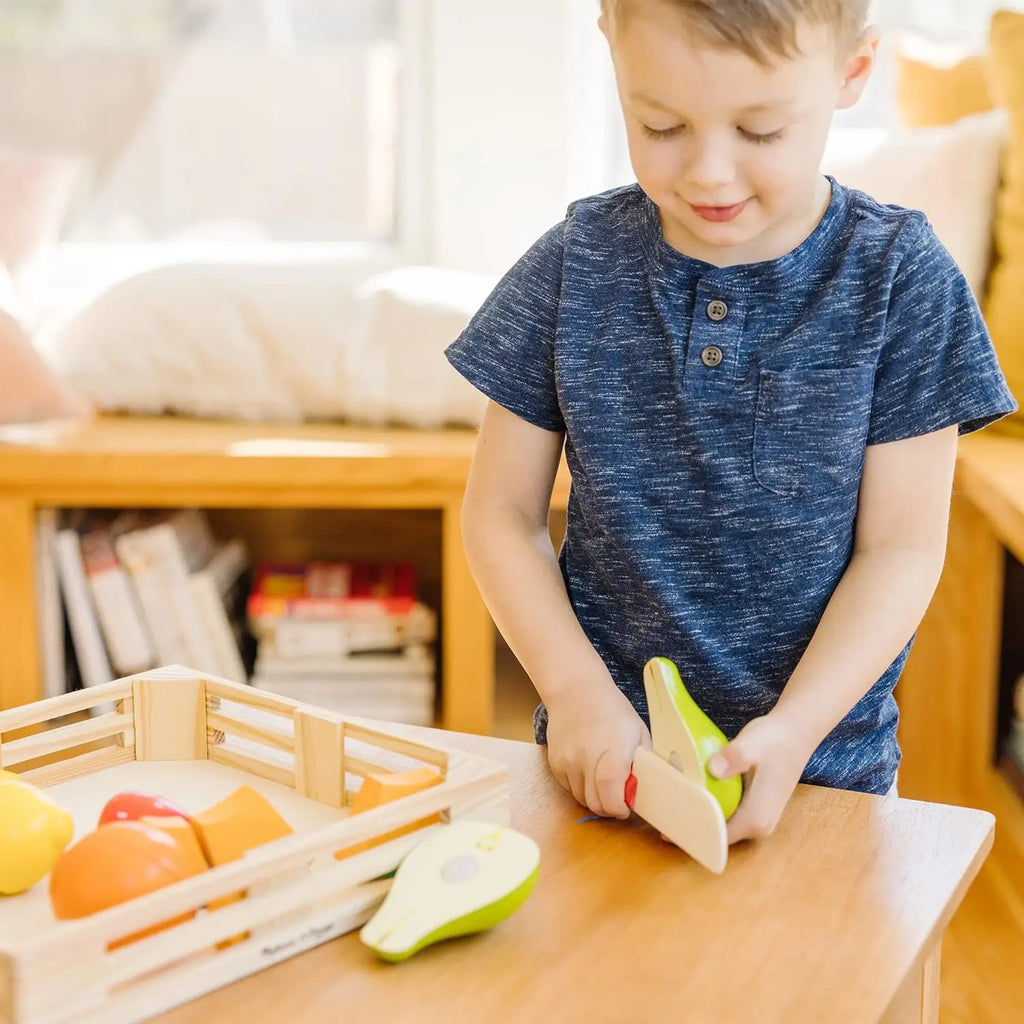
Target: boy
759	377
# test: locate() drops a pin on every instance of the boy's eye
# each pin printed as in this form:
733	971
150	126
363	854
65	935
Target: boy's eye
662	133
761	139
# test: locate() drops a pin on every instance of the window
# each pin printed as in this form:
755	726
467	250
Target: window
962	24
214	121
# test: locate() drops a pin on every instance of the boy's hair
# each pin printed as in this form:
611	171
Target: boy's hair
761	29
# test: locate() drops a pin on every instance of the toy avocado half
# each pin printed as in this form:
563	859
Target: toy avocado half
464	877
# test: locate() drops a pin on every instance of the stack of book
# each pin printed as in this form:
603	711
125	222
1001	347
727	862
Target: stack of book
348	636
140	590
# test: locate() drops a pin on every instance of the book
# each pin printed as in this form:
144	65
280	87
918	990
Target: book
332	590
50	610
120	618
212	587
161	559
90	651
412	662
411	704
300	637
143	565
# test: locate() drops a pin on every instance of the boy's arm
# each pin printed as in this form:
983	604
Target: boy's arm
593	730
899	549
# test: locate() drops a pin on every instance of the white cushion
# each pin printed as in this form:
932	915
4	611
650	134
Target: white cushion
951	173
296	340
397	369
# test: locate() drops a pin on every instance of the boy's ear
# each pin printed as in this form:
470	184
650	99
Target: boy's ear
858	67
602	24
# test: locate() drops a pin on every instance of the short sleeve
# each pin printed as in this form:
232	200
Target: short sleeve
507	349
937	365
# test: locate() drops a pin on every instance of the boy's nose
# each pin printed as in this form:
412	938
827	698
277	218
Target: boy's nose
710	167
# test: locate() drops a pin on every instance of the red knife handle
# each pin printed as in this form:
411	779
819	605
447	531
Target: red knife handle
630	790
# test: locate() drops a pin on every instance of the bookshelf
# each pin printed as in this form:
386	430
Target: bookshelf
290	491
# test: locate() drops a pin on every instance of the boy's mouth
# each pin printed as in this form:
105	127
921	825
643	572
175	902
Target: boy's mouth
719	213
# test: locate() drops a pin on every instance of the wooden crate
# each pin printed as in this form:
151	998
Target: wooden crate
194	739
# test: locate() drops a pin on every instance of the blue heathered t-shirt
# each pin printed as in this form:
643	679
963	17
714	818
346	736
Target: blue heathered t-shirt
715	422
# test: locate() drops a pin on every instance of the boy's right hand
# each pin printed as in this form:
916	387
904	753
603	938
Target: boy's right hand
591	743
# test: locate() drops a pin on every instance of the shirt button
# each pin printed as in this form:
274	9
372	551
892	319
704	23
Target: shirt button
717	310
711	356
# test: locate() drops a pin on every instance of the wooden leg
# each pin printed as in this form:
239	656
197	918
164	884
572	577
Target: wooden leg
930	978
467	639
948	690
20	670
917	1001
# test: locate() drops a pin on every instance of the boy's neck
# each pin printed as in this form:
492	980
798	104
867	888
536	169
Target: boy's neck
782	239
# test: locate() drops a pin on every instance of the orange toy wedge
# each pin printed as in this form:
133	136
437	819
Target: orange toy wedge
239	822
383	788
116	863
225	831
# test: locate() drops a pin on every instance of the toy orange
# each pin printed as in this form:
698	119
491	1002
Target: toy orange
182	832
116	863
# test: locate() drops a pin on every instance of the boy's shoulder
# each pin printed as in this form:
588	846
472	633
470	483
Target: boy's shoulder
612	205
874	224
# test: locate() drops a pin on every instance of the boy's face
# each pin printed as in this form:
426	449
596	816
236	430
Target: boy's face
729	150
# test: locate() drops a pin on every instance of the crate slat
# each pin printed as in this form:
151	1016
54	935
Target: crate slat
81	764
63	737
360	766
42	711
246	731
252	697
396	744
263	769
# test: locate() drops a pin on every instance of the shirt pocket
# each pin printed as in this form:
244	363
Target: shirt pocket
811	428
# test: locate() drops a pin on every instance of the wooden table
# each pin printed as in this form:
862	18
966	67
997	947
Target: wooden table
169	462
838	917
949	691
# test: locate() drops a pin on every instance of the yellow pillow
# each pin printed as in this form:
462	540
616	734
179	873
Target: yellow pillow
930	94
1004	309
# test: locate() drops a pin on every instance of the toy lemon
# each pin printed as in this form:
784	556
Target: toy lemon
33	832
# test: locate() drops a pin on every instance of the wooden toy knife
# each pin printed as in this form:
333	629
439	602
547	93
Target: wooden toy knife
670	786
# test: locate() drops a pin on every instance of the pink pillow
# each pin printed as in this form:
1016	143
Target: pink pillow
34	193
30	389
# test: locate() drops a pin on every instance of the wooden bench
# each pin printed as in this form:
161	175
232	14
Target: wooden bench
166	462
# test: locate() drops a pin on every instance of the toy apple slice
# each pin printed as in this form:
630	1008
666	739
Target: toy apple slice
464	877
132	806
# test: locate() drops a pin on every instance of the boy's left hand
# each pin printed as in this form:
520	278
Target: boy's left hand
771	759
